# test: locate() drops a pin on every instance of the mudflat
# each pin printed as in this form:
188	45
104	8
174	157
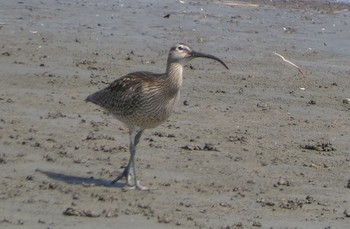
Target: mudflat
263	145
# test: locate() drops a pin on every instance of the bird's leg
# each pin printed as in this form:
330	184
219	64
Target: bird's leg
133	143
125	174
130	170
134	140
137	137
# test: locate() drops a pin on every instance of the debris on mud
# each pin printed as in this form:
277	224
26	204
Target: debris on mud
162	134
3	160
164	219
95	136
296	203
320	146
206	147
282	182
266	202
240	139
71	212
55	114
89	213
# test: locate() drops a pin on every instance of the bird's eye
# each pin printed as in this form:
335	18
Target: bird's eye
180	48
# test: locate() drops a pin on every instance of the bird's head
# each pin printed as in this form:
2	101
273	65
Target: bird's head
181	53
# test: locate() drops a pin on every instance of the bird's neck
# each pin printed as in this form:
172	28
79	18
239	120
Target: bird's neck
174	75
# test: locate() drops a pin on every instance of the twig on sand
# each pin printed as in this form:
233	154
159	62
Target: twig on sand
289	62
238	3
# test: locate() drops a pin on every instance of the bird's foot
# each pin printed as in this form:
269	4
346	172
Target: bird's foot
131	182
125	174
136	186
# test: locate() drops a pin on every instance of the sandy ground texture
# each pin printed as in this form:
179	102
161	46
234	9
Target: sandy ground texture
259	146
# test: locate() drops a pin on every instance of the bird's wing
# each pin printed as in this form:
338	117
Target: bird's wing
123	92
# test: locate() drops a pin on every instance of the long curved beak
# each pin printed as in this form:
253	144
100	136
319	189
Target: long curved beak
195	54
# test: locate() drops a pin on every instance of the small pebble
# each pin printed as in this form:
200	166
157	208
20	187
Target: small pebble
90	213
29	177
256	224
71	212
346	100
312	101
347	213
282	181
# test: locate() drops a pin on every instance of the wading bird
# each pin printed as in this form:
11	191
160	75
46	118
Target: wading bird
144	100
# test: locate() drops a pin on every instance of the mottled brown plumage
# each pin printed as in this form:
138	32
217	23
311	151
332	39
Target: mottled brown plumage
144	100
138	99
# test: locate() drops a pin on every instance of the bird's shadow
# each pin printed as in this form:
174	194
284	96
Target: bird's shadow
77	180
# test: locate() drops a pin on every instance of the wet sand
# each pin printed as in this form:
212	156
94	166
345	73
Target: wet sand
259	146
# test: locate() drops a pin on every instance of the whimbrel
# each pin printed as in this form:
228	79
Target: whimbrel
144	100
